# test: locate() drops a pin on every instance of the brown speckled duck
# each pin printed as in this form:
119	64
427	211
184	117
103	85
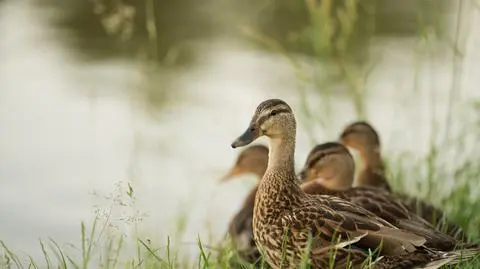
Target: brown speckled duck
330	168
362	136
287	221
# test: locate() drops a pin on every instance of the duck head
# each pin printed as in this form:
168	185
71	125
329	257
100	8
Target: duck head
331	165
361	136
252	160
272	118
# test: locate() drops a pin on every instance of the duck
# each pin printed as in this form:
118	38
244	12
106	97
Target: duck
287	222
253	160
361	136
330	168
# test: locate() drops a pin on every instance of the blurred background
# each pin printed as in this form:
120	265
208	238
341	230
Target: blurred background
120	113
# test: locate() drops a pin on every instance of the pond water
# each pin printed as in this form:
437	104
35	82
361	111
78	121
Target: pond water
70	131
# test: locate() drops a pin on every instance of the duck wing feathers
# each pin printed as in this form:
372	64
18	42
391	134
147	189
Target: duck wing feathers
391	209
328	219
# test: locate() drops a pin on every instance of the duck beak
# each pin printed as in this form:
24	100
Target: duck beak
235	171
246	138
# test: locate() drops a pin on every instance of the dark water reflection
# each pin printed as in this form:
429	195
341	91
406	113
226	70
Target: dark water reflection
104	28
71	127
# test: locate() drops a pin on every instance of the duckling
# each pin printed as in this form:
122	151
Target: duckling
252	160
287	221
329	169
362	136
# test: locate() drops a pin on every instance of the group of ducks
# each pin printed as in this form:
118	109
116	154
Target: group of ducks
317	217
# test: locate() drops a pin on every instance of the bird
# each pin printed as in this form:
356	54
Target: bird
330	168
361	136
291	226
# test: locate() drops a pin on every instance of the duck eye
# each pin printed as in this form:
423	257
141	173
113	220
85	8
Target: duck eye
273	113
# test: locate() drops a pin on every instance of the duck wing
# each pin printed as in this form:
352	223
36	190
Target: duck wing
388	207
376	178
433	215
328	219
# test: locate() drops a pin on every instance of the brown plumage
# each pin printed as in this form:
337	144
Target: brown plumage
252	160
362	136
329	169
287	221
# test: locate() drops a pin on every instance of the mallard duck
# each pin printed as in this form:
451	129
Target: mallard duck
287	221
252	160
362	136
329	169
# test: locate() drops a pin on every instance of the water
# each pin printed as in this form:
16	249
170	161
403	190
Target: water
70	129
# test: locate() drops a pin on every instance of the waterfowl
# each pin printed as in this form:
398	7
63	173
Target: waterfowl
252	160
329	169
362	136
287	221
333	165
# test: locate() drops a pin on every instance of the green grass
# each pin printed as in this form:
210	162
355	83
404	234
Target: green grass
104	252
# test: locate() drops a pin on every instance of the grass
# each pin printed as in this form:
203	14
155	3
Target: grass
105	252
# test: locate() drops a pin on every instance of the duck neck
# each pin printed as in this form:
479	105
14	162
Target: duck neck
371	157
281	156
278	187
279	179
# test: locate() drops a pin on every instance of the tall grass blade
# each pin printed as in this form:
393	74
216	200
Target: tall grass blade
306	253
83	238
45	254
72	262
87	243
11	255
152	252
117	252
59	253
32	264
170	261
203	255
